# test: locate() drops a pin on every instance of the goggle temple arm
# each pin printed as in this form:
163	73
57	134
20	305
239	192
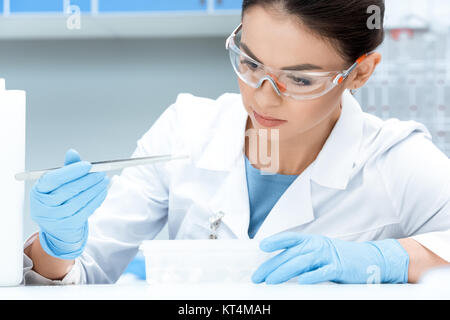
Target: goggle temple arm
341	77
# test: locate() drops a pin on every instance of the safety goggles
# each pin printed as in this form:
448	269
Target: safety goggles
299	85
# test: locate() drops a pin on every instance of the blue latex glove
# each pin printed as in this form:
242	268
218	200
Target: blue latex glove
61	202
315	259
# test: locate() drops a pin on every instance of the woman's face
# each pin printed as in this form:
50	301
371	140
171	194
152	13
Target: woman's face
278	42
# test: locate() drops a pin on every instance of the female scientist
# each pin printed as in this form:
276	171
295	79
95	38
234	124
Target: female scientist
350	194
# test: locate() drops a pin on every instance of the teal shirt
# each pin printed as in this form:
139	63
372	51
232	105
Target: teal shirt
263	192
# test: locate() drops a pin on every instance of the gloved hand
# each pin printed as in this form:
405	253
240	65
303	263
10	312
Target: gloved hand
315	258
61	202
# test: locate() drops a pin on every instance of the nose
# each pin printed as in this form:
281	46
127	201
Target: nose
276	85
281	87
268	94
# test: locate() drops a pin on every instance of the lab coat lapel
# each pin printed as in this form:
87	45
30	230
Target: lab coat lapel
232	199
225	152
293	208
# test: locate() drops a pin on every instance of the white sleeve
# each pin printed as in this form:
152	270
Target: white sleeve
135	209
417	176
439	241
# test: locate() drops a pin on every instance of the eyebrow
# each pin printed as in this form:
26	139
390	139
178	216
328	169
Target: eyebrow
300	67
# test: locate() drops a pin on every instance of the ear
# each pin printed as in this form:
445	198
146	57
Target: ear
364	71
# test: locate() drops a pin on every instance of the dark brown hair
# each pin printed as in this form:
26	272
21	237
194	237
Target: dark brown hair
343	22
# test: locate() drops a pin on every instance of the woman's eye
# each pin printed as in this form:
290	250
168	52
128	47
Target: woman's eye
249	64
300	81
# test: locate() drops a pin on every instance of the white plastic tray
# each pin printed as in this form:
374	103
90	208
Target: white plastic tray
200	261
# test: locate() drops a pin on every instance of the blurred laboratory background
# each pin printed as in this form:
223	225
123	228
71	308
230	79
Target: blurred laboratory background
98	73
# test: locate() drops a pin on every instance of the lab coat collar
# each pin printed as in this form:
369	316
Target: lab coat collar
226	145
335	162
333	165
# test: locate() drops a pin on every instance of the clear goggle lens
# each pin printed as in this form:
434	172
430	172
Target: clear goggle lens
296	84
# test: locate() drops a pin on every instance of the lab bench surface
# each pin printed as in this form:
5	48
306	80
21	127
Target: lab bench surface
222	291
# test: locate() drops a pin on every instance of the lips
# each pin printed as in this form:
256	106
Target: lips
266	117
267	122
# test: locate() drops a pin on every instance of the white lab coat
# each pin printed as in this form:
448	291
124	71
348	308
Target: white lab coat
372	180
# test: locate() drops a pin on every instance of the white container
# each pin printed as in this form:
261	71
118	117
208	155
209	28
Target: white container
12	161
201	261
